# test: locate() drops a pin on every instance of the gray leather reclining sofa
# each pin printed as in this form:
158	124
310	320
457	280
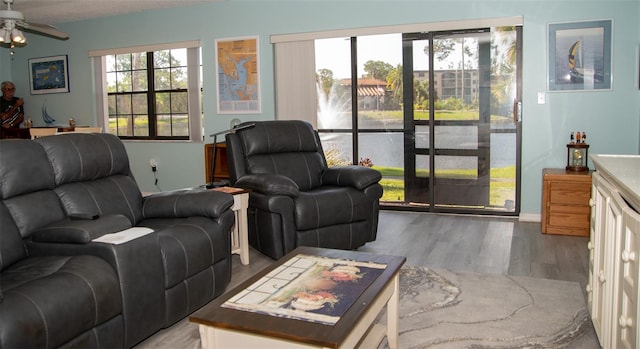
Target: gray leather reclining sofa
59	288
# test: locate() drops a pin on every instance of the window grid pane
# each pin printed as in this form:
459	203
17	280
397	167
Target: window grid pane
128	93
333	83
141	125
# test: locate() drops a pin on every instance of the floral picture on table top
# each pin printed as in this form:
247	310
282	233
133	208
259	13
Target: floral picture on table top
308	288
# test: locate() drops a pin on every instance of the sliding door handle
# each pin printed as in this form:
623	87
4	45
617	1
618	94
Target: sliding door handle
517	111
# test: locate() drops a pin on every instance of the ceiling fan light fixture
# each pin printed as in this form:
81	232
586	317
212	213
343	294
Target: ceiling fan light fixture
17	36
6	35
12	21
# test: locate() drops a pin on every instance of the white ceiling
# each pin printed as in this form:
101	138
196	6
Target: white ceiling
60	11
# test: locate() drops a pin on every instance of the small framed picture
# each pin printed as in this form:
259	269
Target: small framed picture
49	75
579	56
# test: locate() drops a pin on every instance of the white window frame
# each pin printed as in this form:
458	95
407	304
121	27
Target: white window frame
193	66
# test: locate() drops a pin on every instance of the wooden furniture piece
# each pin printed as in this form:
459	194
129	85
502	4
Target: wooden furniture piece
223	327
613	290
12	132
240	232
37	132
86	129
565	202
79	129
222	167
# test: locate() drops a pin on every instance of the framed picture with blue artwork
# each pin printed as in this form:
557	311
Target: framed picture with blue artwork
579	56
49	75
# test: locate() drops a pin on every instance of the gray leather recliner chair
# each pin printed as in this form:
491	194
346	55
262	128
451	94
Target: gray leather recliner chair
295	199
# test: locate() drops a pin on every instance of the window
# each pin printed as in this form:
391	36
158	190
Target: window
151	93
428	105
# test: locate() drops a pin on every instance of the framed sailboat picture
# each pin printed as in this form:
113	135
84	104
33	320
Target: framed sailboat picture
579	56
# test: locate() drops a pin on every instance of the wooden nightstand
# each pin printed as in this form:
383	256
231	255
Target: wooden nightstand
565	202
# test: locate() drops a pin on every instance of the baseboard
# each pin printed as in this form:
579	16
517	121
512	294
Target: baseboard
530	217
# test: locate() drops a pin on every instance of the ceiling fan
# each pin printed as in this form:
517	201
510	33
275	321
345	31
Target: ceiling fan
12	22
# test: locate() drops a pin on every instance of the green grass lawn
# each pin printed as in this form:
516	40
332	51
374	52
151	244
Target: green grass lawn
502	184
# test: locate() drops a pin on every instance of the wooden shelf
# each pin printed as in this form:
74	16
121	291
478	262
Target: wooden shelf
222	166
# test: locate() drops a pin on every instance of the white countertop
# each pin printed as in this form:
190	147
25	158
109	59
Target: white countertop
624	172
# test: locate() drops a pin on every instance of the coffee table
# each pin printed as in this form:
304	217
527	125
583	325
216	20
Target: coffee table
223	327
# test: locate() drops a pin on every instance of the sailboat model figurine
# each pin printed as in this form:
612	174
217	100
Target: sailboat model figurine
48	119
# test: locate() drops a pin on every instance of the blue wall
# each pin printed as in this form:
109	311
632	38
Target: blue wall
611	119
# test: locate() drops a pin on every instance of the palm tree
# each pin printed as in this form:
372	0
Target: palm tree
504	66
394	82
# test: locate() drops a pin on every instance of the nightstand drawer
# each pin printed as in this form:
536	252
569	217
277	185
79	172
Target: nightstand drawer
569	193
569	216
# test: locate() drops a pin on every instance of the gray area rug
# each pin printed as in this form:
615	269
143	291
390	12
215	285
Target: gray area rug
445	309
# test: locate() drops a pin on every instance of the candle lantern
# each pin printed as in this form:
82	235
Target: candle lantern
577	155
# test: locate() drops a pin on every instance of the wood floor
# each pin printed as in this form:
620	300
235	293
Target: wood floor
481	244
465	243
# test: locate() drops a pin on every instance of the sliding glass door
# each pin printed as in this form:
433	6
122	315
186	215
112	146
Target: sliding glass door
437	113
462	142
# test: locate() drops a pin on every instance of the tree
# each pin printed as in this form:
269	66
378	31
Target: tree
325	78
441	48
129	85
503	70
466	51
131	72
169	76
421	94
444	47
377	70
394	82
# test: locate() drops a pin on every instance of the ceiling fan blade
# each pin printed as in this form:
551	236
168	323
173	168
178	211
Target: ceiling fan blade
43	29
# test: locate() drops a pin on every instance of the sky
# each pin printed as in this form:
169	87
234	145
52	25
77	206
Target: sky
334	54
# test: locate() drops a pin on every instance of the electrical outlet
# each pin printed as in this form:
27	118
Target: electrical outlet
154	165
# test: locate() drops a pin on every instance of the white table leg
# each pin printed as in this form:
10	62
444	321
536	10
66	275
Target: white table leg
207	337
393	316
243	229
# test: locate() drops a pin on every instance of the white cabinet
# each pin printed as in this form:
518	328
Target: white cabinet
627	282
613	292
599	265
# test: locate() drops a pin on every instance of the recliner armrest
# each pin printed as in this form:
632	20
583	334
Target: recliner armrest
358	177
81	231
269	184
186	203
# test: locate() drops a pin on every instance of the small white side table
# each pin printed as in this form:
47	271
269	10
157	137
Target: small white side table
240	232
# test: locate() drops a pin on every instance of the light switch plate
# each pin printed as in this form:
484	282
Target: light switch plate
541	98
